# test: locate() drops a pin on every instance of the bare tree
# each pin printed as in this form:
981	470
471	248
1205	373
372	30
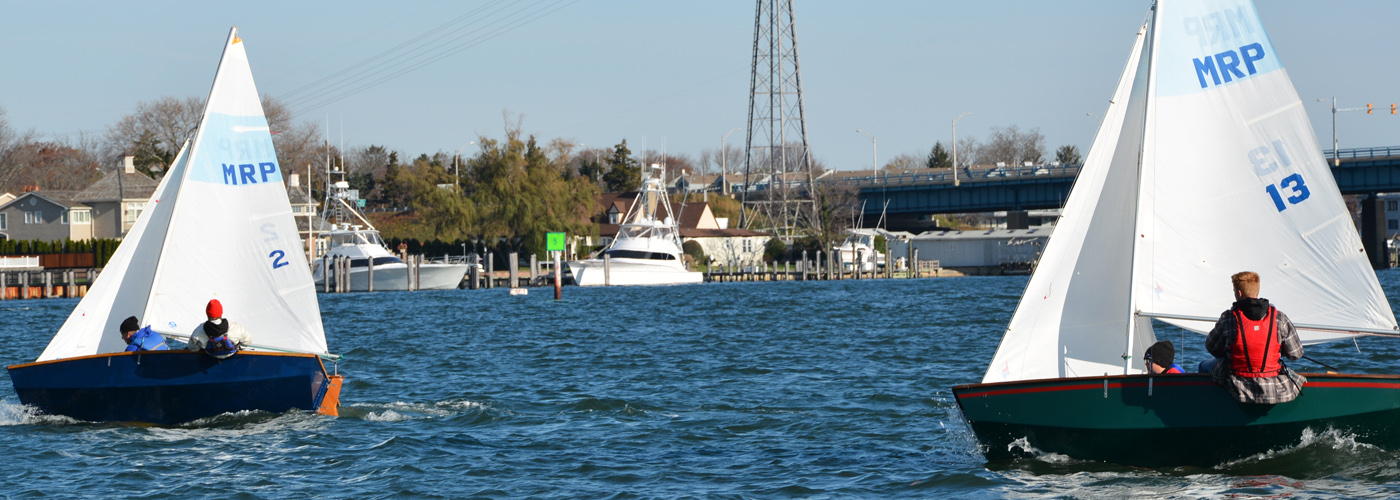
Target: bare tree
1012	146
13	160
969	152
297	144
904	162
154	132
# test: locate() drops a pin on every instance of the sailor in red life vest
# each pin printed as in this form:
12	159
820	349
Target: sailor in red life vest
1247	342
218	337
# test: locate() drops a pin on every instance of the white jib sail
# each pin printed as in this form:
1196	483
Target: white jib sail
223	230
1074	314
1234	180
121	290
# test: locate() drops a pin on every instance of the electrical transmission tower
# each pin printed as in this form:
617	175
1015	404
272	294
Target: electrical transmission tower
777	131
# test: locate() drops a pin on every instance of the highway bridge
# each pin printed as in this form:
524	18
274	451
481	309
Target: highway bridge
908	201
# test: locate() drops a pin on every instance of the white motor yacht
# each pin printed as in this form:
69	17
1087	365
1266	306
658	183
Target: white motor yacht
647	249
363	245
860	245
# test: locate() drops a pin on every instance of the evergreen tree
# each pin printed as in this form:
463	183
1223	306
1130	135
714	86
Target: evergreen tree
624	174
1068	155
938	157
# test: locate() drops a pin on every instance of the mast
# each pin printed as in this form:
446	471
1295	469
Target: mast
1151	41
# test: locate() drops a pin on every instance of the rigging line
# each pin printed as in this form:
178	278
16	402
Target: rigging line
472	43
380	75
387	52
347	45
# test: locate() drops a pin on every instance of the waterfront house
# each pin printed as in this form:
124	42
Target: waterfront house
45	215
117	199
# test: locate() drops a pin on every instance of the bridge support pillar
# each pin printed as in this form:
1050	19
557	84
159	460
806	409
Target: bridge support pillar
1373	231
1018	219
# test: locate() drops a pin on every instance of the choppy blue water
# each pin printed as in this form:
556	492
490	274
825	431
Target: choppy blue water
738	390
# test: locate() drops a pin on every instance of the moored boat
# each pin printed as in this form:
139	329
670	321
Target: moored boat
351	236
647	248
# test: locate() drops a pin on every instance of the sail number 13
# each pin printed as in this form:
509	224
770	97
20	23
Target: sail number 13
1293	185
1297	195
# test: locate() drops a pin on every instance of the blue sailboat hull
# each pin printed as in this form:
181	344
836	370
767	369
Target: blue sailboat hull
176	386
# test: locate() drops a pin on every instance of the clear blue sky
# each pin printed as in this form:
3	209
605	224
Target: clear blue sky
668	73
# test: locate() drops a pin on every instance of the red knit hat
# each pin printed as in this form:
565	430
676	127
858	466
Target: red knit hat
214	309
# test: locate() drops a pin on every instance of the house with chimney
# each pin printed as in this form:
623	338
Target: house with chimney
117	199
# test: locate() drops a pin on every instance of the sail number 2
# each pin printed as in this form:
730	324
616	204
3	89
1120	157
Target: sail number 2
278	257
1264	164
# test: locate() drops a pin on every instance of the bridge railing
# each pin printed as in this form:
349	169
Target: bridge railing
965	174
1363	152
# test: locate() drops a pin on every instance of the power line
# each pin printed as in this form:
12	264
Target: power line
430	51
313	85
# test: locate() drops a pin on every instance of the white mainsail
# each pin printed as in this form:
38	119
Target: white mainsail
219	227
1205	166
1238	182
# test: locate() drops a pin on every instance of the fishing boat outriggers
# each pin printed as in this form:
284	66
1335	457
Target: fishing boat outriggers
219	226
1205	165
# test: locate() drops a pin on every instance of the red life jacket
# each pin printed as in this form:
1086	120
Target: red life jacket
1256	349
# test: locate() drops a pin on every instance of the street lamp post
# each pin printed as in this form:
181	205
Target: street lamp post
457	172
724	162
956	183
874	161
1096	117
1336	160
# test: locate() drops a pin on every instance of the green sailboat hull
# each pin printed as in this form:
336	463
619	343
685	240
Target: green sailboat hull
1168	420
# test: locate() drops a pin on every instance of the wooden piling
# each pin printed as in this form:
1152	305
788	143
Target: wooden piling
534	270
607	269
369	273
490	270
514	259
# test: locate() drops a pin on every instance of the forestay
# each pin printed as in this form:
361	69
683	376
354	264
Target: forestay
1205	166
218	227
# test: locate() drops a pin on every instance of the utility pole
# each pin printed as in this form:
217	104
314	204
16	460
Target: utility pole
956	183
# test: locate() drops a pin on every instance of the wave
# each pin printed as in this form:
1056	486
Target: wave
400	411
12	413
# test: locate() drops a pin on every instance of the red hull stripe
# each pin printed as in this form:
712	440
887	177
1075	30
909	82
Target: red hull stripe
1355	385
1085	387
1119	385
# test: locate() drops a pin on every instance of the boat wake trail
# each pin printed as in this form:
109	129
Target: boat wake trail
12	413
400	411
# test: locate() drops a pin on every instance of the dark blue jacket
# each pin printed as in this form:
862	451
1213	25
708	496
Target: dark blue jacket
146	340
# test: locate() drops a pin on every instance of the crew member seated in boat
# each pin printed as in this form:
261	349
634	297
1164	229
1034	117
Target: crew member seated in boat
1158	358
1247	341
218	337
141	339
